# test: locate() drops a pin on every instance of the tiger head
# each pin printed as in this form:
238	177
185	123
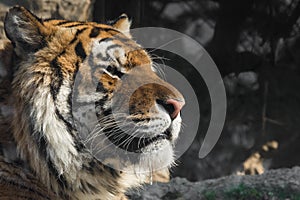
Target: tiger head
69	75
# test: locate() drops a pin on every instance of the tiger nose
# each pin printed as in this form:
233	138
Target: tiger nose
173	106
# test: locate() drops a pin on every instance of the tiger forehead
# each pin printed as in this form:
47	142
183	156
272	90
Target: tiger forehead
93	27
86	29
70	24
135	55
91	30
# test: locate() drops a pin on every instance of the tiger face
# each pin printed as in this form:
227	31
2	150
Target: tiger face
136	111
67	71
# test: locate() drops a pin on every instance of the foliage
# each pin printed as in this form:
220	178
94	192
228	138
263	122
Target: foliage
245	192
209	195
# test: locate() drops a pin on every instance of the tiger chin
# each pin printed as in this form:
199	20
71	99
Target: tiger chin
64	72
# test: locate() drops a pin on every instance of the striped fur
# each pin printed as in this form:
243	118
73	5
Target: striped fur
48	56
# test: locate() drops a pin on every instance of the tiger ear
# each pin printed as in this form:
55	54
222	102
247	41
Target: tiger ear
123	25
24	29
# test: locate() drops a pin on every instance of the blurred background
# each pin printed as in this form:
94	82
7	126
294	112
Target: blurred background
256	47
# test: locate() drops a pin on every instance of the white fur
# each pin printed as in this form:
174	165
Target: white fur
60	142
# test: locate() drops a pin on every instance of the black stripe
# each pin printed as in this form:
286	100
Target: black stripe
91	167
109	29
101	102
59	177
105	39
74	25
92	188
114	71
99	105
94	32
57	78
112	171
42	145
49	19
107	112
66	122
64	22
70	96
39	140
32	48
113	46
83	188
70	100
79	50
100	88
79	146
76	35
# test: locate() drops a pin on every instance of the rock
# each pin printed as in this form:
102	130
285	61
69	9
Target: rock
273	184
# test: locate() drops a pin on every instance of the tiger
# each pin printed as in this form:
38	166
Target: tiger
62	71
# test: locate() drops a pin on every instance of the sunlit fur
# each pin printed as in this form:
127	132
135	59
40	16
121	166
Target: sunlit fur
49	55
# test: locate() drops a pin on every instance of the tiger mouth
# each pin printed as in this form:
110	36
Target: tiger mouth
136	144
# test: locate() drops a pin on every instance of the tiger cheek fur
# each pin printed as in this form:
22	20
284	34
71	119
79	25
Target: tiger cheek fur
48	56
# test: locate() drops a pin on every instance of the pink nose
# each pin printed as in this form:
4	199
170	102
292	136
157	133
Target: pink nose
175	107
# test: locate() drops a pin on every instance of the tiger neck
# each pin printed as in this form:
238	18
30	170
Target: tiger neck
41	134
50	147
